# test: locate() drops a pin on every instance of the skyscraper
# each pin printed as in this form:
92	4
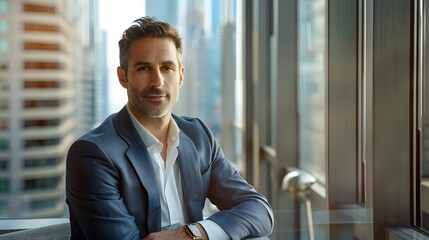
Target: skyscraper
164	10
43	93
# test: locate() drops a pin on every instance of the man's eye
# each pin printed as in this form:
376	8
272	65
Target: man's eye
167	68
143	68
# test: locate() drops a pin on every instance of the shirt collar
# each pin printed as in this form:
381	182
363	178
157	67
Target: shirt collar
148	139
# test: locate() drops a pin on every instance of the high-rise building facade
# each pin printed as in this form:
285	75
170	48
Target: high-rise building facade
164	10
41	79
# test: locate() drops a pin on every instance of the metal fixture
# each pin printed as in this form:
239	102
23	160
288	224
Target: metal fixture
298	182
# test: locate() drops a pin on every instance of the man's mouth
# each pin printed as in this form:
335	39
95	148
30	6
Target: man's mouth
155	97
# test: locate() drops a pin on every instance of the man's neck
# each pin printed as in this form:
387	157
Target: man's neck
158	127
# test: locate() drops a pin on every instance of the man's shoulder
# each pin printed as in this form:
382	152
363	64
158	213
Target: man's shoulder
186	122
185	119
193	127
103	130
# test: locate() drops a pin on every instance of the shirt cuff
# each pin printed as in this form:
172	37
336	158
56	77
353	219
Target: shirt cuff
214	231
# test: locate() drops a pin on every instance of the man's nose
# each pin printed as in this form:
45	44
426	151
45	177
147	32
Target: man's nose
156	79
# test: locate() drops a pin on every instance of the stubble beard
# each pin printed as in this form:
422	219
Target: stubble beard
152	109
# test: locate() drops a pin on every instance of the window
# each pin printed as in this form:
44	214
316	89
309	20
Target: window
34	27
41	65
4	26
41	84
41	183
44	162
4	186
4	144
3	65
423	118
4	164
41	123
312	108
42	204
4	105
4	45
41	142
43	46
4	84
37	8
4	123
41	103
3	208
58	35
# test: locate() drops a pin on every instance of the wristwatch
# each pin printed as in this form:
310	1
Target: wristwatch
193	231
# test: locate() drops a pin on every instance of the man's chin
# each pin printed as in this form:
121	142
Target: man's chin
160	114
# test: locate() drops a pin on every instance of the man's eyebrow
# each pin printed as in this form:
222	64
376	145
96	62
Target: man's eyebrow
141	63
168	62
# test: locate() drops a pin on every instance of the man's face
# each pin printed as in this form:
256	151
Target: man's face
153	78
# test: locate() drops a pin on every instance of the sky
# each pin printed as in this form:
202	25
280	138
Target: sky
115	17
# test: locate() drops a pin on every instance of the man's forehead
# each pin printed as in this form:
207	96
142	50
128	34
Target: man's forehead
154	48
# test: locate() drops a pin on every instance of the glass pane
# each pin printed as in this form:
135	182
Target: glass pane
424	114
424	201
311	86
69	85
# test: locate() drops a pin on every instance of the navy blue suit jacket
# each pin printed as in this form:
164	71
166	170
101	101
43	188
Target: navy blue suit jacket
111	184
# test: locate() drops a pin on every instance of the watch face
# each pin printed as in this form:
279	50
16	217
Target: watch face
194	230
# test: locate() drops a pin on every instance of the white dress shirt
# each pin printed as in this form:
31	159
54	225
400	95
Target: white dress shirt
168	179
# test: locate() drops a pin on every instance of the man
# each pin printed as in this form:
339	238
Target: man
145	172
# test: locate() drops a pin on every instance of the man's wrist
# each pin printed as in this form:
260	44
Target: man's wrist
203	231
196	231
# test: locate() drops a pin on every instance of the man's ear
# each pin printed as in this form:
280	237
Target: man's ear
182	76
122	77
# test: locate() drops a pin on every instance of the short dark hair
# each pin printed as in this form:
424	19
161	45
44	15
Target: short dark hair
147	27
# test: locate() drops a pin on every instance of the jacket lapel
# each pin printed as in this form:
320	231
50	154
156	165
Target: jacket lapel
140	159
191	178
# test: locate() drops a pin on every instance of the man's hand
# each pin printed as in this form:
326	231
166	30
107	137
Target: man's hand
177	234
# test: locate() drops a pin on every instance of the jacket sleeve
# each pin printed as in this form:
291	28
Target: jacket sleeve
243	211
92	192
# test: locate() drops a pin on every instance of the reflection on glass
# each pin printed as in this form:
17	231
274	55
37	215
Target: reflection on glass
311	87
